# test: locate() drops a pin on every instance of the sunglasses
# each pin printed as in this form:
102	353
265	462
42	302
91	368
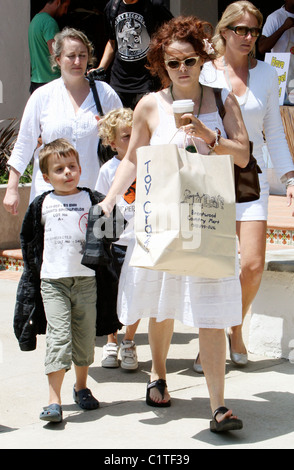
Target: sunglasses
244	30
175	64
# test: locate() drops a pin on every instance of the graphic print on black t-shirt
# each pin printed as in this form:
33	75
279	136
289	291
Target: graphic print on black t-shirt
132	36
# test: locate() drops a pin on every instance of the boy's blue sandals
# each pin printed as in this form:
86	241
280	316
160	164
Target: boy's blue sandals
52	413
85	399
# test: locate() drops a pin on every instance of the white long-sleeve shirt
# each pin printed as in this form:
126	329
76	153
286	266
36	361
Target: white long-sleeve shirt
260	112
50	113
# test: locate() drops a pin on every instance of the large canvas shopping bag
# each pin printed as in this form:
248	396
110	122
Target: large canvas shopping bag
185	219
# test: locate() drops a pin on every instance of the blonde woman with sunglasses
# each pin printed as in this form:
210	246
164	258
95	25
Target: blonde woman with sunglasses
176	54
255	86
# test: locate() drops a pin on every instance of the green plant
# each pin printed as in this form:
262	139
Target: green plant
8	135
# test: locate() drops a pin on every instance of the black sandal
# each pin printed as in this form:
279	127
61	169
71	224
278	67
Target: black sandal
85	399
160	384
228	424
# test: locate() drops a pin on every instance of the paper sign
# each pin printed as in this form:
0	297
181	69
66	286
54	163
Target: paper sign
280	61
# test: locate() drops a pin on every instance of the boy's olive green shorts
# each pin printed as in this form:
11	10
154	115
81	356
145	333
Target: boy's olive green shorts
70	308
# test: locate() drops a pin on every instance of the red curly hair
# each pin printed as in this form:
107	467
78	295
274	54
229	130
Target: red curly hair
183	28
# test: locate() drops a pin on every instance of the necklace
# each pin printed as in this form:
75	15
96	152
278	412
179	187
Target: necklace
240	101
201	97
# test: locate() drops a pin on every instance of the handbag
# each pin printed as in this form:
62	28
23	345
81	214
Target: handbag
247	187
104	152
185	221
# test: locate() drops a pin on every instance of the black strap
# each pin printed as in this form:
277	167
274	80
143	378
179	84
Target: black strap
219	102
222	410
222	112
96	97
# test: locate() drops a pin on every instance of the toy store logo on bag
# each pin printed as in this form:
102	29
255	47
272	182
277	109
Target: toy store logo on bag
147	206
160	217
198	217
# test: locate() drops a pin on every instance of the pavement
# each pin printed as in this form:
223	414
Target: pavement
262	395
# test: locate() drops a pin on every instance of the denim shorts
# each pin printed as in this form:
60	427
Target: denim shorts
70	308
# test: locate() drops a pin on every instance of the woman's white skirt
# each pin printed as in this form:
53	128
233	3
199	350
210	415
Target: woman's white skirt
196	302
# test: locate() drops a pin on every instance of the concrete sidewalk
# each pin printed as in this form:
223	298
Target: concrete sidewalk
262	395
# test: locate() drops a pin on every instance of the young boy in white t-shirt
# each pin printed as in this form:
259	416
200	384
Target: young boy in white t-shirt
68	288
115	130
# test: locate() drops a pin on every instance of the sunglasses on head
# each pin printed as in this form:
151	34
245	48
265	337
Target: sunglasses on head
244	30
175	64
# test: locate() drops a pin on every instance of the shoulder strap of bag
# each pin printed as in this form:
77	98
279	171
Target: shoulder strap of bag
96	97
222	112
219	102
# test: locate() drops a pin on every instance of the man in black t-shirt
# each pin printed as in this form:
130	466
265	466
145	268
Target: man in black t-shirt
130	24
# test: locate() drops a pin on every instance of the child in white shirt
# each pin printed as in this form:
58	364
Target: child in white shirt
68	289
115	130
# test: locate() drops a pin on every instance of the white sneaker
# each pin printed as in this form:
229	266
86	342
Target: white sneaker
110	355
128	352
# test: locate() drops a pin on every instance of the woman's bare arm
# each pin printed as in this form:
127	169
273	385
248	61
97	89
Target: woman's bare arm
126	172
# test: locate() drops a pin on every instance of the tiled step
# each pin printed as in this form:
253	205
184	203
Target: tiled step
280	226
11	260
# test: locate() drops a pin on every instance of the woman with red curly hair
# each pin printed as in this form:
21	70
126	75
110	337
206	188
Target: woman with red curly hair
177	52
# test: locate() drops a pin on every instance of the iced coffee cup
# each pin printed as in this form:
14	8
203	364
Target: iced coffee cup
181	107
